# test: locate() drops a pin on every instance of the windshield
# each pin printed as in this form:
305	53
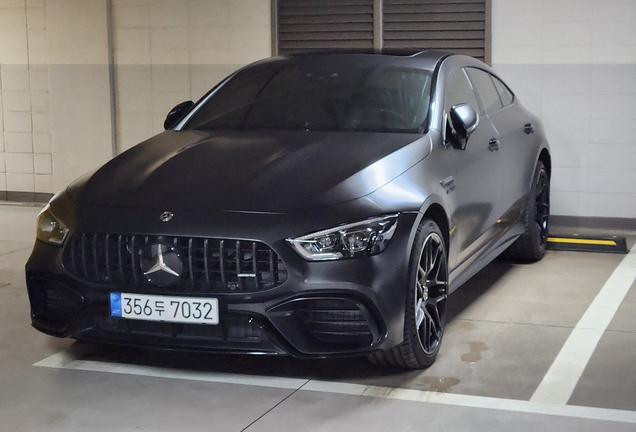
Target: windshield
323	97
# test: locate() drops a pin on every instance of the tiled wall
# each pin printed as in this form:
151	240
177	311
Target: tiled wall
166	52
25	140
55	99
573	63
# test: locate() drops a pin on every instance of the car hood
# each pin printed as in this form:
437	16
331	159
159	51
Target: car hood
253	171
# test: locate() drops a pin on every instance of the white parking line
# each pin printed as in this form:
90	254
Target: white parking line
66	360
566	370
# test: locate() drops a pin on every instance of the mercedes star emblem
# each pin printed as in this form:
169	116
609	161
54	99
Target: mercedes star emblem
166	216
161	265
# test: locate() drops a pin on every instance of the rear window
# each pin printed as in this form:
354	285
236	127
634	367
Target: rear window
325	97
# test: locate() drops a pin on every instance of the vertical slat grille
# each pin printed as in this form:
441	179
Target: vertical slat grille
305	25
454	25
209	264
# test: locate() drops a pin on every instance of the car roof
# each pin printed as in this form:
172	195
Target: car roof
428	59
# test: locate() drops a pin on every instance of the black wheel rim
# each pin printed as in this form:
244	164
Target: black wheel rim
431	292
542	206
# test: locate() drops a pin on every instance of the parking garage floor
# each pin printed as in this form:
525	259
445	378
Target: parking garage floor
544	347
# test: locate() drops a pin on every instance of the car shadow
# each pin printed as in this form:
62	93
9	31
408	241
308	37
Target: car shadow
350	369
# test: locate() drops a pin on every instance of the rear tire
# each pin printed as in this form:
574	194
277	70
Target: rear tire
531	245
425	313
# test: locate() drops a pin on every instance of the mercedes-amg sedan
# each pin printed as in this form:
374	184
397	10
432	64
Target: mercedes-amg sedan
312	205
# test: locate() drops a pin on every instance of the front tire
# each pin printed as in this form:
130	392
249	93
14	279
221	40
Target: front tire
531	245
427	293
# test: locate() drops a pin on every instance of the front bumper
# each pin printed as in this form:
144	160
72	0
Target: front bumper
344	307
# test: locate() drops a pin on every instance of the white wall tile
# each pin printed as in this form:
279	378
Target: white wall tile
168	39
42	164
38	57
611	205
35	3
44	183
613	131
566	79
37	39
250	14
566	106
169	15
618	80
2	166
3	182
19	163
35	17
13	39
1	141
131	16
19	100
615	156
132	39
18	142
132	57
39	80
171	78
40	121
133	78
12	3
17	79
614	10
613	106
20	182
14	18
131	102
42	143
17	122
40	101
612	180
170	57
210	15
569	203
13	57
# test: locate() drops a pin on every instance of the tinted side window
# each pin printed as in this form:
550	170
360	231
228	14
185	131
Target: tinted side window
486	89
459	90
504	93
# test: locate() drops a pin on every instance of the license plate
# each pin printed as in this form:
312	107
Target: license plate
164	308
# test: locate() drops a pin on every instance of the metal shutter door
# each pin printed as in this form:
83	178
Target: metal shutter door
453	25
305	25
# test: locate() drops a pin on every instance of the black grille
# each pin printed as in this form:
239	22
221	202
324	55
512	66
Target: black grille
210	265
53	303
336	320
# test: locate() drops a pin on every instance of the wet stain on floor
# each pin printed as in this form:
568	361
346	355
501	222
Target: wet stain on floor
436	384
475	350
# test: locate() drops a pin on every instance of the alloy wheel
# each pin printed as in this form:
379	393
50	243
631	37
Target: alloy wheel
431	292
542	206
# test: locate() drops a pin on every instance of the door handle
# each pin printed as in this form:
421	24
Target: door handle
528	128
493	144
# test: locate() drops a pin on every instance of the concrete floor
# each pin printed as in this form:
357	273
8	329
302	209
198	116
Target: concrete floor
519	353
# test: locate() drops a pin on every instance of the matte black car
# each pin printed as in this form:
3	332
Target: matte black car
313	205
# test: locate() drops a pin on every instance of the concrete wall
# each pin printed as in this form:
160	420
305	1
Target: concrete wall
573	63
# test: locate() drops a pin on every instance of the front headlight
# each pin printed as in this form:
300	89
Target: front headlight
49	228
362	238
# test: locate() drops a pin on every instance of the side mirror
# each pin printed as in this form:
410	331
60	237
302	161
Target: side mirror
176	114
464	121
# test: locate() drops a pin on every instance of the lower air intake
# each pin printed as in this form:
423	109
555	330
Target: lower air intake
336	320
